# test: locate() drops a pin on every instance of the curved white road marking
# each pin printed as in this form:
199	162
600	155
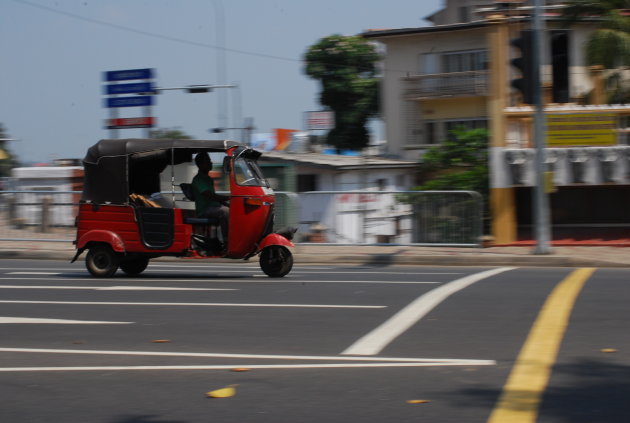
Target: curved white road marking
374	342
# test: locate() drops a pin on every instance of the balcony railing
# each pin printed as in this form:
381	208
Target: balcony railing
454	84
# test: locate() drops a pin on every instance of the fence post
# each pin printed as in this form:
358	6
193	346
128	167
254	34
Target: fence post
11	209
45	217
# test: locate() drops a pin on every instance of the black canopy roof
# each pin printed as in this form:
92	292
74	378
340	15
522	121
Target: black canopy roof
124	147
115	168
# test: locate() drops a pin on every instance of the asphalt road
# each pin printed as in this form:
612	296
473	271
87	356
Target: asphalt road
326	343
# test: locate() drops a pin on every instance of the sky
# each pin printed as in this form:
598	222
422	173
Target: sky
54	54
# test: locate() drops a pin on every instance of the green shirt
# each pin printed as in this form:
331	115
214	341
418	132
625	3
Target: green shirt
201	184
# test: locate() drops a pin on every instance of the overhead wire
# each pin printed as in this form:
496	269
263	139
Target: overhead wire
151	34
164	37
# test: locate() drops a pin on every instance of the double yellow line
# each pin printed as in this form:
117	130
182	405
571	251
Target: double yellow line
522	393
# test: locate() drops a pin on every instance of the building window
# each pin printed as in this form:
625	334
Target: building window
306	183
464	61
430	133
463	14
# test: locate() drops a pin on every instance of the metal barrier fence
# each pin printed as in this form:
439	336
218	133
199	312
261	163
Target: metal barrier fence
446	218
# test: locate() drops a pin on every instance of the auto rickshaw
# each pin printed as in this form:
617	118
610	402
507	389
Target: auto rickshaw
126	218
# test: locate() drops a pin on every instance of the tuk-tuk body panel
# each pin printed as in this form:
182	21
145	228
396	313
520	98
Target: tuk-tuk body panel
253	208
120	221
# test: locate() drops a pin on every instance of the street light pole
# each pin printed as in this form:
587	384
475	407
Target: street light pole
541	200
219	20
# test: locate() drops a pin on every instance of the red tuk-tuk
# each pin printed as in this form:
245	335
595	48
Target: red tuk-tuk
126	217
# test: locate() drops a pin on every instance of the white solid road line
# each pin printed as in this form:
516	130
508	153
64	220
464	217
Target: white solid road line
191	304
258	280
114	288
348	362
30	320
248	366
374	342
243	356
220	269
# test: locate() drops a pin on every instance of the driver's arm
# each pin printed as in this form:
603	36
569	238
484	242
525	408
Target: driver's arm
216	197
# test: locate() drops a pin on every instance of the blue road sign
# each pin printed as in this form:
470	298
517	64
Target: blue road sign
141	100
138	87
124	75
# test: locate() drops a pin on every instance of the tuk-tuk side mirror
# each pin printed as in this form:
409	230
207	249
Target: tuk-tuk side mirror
227	160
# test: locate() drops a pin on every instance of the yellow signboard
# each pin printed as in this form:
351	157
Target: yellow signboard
591	129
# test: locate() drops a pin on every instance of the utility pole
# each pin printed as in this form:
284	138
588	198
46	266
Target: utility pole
541	199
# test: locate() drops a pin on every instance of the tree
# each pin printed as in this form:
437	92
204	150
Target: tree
609	45
7	160
346	68
459	163
169	133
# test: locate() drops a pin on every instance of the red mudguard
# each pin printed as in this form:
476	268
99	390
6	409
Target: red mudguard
99	235
274	239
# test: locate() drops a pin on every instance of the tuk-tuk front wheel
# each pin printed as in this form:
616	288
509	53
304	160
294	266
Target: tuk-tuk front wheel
134	266
276	261
102	261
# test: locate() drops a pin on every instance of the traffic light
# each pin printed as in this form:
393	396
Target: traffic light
525	64
196	89
560	65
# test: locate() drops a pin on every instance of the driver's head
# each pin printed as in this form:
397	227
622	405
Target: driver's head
203	161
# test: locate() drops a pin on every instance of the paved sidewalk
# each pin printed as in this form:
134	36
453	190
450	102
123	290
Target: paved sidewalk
561	256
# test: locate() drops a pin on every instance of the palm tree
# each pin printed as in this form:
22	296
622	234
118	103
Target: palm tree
609	45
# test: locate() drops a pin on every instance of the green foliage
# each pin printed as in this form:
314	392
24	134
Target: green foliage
7	159
609	48
346	68
169	133
609	45
460	163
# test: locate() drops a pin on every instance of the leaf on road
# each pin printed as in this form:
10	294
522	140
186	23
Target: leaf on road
161	341
228	391
417	401
240	369
609	350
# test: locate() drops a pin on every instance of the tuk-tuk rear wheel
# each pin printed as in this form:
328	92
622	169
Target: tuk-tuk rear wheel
102	261
276	261
134	266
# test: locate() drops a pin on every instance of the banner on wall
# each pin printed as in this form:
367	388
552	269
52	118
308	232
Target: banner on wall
587	129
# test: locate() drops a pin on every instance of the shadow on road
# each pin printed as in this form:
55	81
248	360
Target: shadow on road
583	392
382	260
145	419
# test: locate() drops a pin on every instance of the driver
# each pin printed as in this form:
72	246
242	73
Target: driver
207	202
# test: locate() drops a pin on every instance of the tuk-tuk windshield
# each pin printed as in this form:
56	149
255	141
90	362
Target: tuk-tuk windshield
247	173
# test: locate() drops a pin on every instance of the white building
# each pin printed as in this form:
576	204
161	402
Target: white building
357	215
56	184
